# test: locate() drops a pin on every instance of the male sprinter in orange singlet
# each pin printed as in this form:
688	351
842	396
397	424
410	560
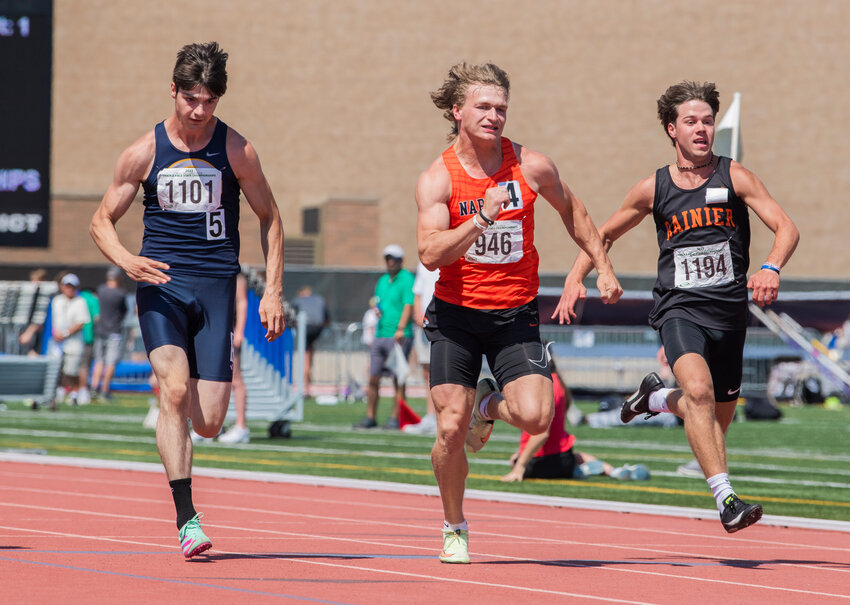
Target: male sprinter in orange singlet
476	224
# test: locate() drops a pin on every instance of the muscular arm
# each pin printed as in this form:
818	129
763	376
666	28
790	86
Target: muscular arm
132	167
246	166
438	244
534	443
542	175
636	206
765	283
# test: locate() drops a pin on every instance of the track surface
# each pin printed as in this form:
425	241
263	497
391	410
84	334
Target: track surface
77	534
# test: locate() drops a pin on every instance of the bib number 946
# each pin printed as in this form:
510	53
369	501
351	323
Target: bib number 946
501	243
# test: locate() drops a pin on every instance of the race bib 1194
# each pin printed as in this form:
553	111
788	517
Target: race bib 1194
703	266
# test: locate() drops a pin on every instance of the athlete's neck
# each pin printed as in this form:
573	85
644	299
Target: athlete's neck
188	138
480	159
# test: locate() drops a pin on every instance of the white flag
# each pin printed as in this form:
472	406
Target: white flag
727	134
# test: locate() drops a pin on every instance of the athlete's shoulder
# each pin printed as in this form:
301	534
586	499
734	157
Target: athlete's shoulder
642	193
538	168
135	161
435	183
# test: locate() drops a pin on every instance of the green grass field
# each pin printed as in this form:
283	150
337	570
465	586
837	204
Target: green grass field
797	466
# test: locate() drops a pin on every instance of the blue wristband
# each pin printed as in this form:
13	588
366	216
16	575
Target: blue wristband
770	267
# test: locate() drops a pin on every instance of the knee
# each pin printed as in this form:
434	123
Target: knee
451	433
535	419
209	427
539	424
699	396
173	395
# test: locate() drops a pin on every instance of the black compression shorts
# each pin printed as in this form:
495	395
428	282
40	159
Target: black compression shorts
723	350
510	338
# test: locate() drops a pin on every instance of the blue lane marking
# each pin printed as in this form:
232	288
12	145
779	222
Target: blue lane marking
186	582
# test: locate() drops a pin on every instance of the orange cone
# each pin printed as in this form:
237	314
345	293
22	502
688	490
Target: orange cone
406	415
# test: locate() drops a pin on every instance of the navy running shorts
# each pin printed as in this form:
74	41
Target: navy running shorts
509	338
196	314
723	351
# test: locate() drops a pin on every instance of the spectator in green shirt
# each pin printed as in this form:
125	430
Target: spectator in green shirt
83	396
394	294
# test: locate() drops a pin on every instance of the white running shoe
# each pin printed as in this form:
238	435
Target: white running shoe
426	426
691	469
196	438
236	434
480	428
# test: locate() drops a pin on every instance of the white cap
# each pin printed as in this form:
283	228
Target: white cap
71	279
394	250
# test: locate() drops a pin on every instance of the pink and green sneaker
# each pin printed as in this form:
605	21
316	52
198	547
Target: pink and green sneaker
193	541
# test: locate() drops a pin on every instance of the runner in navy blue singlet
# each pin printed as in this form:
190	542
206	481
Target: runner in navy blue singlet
192	168
701	209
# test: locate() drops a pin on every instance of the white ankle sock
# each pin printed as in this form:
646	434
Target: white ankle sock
456	526
482	407
720	488
658	400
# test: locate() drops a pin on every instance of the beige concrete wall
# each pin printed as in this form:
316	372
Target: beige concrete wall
334	96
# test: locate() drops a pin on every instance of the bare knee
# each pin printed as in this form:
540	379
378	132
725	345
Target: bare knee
699	397
173	396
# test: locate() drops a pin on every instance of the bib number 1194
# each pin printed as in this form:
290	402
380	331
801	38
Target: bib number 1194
703	266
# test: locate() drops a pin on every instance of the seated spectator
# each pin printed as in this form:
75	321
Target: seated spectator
550	455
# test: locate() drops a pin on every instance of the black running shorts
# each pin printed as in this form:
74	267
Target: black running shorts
551	466
723	350
510	338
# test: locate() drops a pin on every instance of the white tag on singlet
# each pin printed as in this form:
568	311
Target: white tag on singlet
716	195
703	266
500	244
189	189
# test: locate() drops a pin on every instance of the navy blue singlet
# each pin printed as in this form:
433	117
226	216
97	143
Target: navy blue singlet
192	208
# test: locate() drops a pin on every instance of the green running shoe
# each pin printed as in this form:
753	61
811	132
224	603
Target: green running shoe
193	541
455	546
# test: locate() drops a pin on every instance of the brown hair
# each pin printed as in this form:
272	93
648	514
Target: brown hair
201	65
460	77
668	103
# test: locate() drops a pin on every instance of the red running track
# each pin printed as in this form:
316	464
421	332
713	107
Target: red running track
98	535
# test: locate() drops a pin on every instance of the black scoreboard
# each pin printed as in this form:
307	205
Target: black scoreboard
26	43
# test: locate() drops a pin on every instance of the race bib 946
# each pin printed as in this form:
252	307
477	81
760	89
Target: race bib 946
500	243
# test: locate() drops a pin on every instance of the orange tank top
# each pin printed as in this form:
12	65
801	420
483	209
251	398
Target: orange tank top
499	271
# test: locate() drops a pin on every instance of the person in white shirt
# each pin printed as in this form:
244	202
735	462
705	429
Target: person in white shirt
423	292
69	312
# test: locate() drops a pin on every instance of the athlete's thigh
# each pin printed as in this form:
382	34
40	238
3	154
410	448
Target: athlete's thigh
208	400
455	361
693	376
681	336
212	342
163	316
726	360
529	396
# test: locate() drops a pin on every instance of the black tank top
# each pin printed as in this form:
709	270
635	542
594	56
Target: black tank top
704	242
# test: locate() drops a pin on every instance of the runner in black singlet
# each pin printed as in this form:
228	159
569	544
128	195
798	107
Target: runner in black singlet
701	209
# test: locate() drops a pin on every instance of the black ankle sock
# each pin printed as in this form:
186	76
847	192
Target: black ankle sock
181	491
